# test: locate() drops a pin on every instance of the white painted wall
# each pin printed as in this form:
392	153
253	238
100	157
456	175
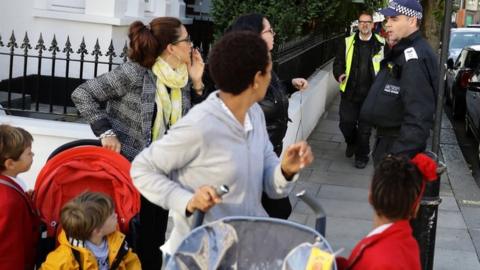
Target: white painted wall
308	106
48	135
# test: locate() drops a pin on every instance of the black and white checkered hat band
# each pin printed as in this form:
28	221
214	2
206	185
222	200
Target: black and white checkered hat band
405	10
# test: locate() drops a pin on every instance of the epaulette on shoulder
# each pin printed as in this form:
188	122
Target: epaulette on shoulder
410	54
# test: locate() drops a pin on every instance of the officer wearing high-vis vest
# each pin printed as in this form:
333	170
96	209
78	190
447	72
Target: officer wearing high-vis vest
401	102
356	64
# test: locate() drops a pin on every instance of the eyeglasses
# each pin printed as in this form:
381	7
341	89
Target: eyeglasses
269	31
187	39
365	22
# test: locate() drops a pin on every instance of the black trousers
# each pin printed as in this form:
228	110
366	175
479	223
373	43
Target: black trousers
383	145
355	131
277	208
152	229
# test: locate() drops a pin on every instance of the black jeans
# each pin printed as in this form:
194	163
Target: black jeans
153	226
355	131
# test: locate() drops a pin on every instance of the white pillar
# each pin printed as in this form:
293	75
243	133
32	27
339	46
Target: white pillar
106	8
160	8
177	9
135	8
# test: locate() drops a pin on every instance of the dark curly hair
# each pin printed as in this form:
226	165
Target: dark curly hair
147	42
395	187
236	58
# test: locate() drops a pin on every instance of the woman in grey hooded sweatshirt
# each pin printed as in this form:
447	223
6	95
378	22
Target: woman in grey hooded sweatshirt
221	141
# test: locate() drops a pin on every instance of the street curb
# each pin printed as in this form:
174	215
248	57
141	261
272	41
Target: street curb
465	190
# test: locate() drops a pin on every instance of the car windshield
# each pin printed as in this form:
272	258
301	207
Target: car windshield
460	40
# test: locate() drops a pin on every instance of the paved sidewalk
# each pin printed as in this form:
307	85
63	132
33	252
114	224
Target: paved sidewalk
343	190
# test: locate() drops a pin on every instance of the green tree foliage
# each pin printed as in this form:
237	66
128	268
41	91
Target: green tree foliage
292	18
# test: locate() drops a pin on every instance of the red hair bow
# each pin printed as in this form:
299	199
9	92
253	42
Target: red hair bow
426	165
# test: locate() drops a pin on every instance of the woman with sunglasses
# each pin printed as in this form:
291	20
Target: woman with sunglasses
274	105
137	102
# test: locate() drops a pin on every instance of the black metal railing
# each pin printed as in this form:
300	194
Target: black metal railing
48	91
303	56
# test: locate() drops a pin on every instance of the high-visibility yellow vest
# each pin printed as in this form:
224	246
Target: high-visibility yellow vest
376	59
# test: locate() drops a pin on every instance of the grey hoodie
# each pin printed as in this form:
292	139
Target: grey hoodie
210	147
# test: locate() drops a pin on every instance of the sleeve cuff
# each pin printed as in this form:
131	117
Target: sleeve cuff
280	179
179	200
100	126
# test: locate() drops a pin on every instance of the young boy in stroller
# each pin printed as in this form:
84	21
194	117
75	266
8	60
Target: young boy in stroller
90	239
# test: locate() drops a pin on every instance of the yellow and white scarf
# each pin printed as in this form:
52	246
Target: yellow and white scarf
169	108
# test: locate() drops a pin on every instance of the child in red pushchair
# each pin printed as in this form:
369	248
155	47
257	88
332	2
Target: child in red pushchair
90	239
73	169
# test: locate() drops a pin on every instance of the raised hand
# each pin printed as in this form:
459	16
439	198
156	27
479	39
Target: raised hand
300	83
296	157
196	68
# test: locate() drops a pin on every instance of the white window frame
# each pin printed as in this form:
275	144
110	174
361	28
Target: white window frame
73	6
150	6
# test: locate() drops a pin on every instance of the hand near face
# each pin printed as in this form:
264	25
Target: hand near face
296	157
196	67
204	198
300	83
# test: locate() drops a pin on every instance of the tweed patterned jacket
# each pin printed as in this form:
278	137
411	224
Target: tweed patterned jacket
124	100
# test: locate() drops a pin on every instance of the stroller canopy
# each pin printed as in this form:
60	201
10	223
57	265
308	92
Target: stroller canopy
246	243
82	168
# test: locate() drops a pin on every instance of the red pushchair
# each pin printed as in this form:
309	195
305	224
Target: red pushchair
74	168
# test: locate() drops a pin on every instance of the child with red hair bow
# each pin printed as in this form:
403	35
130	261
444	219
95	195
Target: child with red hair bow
395	193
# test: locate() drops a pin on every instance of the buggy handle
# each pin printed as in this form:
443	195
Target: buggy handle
320	215
198	215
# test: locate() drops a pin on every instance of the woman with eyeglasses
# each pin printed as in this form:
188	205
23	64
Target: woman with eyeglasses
137	102
274	105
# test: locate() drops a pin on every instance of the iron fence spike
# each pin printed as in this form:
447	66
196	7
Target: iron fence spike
26	43
68	47
40	44
111	50
54	47
83	47
124	53
96	50
12	43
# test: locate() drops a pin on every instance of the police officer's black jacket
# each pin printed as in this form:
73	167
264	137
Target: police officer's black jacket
401	101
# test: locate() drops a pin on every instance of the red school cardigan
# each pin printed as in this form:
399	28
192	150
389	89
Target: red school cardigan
19	227
393	249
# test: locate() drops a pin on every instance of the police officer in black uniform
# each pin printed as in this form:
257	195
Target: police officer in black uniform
401	101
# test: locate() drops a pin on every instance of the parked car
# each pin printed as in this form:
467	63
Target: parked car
457	76
472	115
460	38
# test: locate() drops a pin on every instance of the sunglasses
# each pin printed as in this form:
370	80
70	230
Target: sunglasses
269	31
187	39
